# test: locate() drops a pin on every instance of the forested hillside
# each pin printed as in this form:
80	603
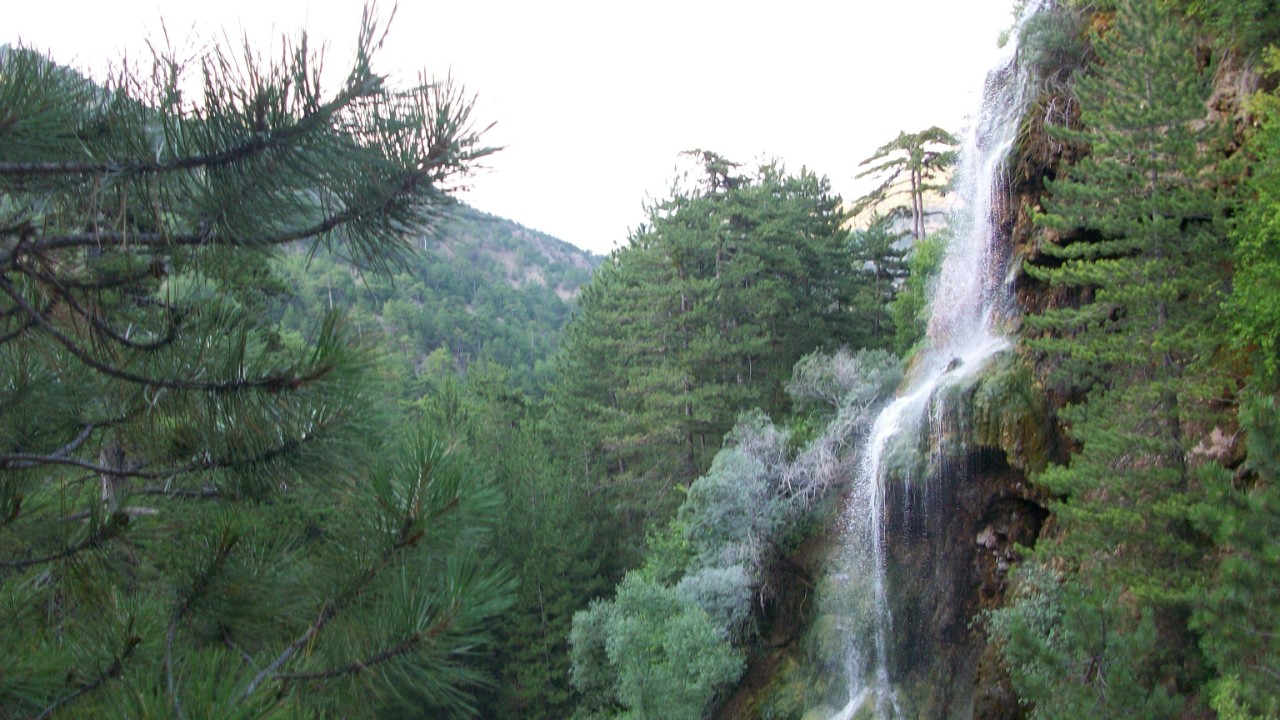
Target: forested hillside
479	287
286	431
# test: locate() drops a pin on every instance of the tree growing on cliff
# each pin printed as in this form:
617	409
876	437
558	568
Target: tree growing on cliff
1144	258
196	518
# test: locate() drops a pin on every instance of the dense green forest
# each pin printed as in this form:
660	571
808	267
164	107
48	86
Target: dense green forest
287	431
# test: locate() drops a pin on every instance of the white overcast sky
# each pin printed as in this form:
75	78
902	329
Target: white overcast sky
594	101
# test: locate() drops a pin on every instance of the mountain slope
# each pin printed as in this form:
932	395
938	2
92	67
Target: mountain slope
479	286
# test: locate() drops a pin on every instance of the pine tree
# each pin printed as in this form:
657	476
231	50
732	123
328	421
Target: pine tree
924	157
199	518
1145	213
879	256
1138	229
700	317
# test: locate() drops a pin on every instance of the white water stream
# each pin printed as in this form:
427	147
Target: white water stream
970	296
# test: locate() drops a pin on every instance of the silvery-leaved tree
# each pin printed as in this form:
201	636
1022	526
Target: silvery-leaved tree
197	517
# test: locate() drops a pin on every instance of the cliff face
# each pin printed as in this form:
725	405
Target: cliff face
954	538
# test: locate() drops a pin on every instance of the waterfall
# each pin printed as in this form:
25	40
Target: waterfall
968	301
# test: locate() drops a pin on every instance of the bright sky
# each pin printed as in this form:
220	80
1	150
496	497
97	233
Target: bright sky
595	100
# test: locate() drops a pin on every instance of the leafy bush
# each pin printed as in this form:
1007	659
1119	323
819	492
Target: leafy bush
723	592
729	511
843	378
664	658
664	646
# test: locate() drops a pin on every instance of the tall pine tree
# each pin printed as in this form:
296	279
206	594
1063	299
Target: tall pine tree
1139	223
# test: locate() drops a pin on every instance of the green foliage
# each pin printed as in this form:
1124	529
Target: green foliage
1240	615
1069	648
593	674
729	510
910	307
670	657
721	553
1139	255
700	317
724	593
879	256
1246	25
206	515
1253	306
482	287
1054	45
665	656
552	535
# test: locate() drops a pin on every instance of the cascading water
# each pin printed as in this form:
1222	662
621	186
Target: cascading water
968	300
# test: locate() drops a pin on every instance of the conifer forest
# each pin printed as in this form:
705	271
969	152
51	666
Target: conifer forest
288	430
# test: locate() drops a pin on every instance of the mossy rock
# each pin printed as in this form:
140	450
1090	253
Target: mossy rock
795	692
787	694
1011	412
1005	409
822	712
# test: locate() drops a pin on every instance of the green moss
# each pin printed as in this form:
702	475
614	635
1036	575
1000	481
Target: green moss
1002	409
1007	410
788	694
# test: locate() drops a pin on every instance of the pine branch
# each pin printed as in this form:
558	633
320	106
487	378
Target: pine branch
59	287
390	653
198	588
206	236
259	142
108	531
245	657
152	270
202	493
331	609
78	440
26	325
24	461
114	670
327	613
275	382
